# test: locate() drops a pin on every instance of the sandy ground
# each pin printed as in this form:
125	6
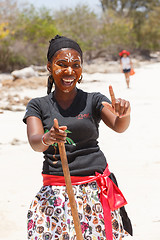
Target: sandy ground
133	156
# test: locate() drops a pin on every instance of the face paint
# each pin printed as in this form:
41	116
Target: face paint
66	69
66	91
69	70
57	71
69	57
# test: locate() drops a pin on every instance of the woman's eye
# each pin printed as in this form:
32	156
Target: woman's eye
76	65
61	64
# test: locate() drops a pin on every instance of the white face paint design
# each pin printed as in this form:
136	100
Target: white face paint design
69	70
66	90
79	60
69	57
58	71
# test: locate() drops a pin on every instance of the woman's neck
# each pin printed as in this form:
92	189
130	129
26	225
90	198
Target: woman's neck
65	99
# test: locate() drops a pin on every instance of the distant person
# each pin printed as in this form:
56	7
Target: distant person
126	65
100	203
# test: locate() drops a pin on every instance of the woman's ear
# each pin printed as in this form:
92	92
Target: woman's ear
49	66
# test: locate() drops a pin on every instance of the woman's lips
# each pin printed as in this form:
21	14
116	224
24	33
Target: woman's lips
68	81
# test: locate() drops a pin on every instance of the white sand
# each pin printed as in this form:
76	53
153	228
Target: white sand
133	156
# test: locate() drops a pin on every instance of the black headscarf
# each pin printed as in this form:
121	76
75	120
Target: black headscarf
60	42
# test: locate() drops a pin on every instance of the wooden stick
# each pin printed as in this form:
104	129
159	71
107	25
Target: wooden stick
69	188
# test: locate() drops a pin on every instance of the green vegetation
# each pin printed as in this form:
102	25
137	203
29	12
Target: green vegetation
25	31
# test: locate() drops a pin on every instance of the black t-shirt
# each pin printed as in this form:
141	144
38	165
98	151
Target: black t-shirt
82	120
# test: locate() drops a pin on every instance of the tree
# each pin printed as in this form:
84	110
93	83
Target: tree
4	31
28	35
82	25
116	32
150	33
139	13
127	6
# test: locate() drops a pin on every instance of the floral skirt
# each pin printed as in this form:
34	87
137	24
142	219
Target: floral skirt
50	218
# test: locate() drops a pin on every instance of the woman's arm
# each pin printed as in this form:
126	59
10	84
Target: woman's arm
121	66
131	63
35	133
118	124
117	115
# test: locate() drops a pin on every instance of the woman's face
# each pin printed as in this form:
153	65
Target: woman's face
66	69
124	55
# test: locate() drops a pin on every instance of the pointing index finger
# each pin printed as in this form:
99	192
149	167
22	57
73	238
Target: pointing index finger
56	126
113	99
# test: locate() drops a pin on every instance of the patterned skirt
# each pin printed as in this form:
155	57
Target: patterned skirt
50	218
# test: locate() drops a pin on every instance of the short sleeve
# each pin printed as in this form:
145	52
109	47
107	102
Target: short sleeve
33	109
97	104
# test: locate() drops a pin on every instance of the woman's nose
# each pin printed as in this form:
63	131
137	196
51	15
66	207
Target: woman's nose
69	70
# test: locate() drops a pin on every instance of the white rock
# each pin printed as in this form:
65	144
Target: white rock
5	76
24	73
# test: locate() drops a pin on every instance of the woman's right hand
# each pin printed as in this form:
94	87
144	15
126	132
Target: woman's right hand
56	134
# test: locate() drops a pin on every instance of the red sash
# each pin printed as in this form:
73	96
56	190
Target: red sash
110	196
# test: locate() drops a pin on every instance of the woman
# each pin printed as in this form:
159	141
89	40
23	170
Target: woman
78	114
126	65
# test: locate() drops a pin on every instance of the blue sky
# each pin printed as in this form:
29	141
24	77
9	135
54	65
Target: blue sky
62	4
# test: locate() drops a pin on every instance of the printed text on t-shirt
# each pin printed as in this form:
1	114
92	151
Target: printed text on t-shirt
82	116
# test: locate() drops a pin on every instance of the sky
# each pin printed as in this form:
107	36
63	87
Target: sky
62	4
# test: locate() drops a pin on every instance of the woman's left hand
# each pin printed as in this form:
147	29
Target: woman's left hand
119	107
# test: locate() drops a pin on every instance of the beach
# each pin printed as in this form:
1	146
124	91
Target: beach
133	156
